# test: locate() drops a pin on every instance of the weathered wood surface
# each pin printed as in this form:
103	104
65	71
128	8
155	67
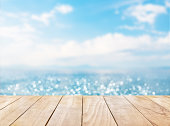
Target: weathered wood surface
7	100
161	100
84	111
12	112
68	112
39	113
154	112
96	113
125	114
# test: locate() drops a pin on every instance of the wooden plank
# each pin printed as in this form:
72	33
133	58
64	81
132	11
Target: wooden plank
155	113
10	113
124	113
68	112
39	113
161	100
7	100
96	112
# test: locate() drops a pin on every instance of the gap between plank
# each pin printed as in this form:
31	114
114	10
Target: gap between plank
53	111
138	110
110	110
82	113
11	103
25	111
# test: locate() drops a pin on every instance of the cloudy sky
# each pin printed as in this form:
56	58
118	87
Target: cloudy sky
81	33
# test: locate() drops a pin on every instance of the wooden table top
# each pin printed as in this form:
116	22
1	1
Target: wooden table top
85	110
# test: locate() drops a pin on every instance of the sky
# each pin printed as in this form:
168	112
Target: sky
85	33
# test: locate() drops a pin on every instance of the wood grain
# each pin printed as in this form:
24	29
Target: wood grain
39	113
68	112
10	113
85	111
7	100
124	113
155	113
161	100
96	112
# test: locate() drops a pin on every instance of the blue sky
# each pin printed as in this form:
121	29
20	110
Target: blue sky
95	33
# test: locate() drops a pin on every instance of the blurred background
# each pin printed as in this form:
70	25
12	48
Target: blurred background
90	47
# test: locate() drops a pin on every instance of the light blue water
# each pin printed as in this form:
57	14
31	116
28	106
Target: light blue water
151	82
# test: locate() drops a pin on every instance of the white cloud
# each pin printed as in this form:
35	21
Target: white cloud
164	42
19	47
167	3
64	9
120	4
145	13
141	27
45	17
14	18
17	33
28	28
13	15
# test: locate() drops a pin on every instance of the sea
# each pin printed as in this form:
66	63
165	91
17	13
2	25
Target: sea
113	82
